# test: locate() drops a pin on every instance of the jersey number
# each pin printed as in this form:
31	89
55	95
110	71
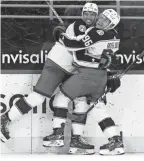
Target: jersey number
87	41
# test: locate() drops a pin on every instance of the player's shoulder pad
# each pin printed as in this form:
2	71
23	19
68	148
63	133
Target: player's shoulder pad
107	34
98	34
114	34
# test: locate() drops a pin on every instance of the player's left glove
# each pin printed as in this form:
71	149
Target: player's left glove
57	32
114	83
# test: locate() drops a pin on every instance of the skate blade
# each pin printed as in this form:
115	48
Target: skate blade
55	143
3	138
117	151
79	151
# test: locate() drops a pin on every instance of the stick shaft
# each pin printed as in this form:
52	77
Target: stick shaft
54	11
129	67
93	105
120	76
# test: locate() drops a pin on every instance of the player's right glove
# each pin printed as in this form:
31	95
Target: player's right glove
114	83
106	59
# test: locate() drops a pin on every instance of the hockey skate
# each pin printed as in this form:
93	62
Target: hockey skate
56	139
114	147
79	146
4	128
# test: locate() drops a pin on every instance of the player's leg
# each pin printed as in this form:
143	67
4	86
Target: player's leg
59	105
88	81
93	82
110	129
50	78
78	145
21	107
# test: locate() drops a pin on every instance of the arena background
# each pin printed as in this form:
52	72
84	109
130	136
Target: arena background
26	28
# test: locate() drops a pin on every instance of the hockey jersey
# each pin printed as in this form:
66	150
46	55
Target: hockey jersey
88	47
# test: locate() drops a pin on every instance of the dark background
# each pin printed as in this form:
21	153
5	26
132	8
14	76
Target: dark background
32	35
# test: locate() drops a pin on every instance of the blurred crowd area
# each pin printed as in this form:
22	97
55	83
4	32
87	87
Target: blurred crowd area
29	35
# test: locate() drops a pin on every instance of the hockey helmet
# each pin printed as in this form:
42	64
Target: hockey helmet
112	16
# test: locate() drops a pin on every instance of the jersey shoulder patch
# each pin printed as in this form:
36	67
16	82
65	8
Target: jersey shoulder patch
100	32
79	27
82	28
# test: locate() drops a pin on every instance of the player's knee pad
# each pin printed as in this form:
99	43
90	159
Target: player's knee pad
61	101
35	99
80	105
80	109
59	112
59	105
77	118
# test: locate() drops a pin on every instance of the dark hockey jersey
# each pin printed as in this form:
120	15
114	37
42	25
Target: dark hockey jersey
87	40
91	46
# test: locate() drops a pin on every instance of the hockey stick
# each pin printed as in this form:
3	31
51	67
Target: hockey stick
83	116
54	11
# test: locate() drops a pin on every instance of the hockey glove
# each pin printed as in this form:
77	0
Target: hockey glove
57	31
113	83
105	60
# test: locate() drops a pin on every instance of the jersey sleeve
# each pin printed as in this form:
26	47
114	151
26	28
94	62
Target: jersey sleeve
85	40
70	30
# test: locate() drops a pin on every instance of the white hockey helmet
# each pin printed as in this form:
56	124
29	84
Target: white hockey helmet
108	19
90	7
113	16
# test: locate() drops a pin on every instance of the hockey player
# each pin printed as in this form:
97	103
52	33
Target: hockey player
57	68
91	80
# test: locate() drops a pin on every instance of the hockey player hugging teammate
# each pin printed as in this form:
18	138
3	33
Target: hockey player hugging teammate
58	67
92	53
